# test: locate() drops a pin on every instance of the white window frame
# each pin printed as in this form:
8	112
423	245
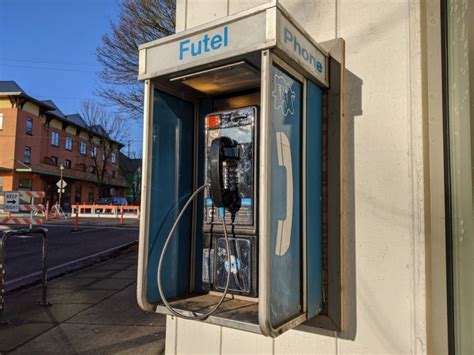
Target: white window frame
25	149
68	144
113	158
1	121
54	139
93	152
29	132
83	148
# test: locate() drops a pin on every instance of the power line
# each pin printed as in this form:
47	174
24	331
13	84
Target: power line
51	69
47	62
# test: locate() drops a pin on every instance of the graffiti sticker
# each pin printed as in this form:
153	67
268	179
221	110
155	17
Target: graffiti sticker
283	95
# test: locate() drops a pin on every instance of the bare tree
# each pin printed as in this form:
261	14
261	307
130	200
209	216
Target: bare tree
140	21
133	178
105	132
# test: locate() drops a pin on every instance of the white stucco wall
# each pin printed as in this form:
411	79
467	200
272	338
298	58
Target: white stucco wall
385	305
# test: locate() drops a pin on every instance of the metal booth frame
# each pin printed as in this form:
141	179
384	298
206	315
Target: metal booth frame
272	52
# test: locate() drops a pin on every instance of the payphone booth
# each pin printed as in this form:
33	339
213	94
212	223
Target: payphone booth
232	223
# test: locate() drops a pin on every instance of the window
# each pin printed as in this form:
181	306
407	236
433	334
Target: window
114	158
25	184
113	174
78	193
90	194
67	164
54	160
1	121
93	152
1	183
29	126
55	139
83	148
68	143
27	155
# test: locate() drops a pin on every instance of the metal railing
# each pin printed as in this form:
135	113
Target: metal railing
22	233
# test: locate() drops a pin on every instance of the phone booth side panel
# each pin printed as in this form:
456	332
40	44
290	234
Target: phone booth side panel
171	184
314	198
285	211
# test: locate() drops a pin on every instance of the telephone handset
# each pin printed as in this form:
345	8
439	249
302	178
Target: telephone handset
223	164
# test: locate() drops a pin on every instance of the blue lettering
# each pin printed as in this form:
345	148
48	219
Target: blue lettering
296	46
182	48
216	42
305	54
195	52
205	44
226	36
206	40
288	37
319	67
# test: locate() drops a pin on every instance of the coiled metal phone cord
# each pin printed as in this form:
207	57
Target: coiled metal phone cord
160	263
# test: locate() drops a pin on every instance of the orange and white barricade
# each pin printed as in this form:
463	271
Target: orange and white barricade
31	194
21	220
32	208
28	208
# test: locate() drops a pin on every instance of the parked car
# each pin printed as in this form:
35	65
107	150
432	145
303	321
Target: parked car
116	201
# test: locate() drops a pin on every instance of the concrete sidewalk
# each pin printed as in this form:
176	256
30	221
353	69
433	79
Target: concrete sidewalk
93	310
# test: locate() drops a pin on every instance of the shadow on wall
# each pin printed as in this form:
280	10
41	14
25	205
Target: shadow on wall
341	313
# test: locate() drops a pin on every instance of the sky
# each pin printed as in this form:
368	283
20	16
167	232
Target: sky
49	48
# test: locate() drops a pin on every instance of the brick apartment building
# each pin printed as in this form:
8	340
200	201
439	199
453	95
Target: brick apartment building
36	138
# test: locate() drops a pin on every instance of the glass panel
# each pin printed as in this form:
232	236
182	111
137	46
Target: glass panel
286	196
461	128
171	185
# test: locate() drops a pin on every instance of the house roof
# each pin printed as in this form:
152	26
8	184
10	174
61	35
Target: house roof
129	165
55	111
11	88
77	119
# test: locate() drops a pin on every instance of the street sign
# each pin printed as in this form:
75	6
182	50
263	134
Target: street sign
61	184
11	202
61	191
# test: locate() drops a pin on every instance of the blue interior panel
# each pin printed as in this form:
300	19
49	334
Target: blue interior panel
171	185
286	198
314	198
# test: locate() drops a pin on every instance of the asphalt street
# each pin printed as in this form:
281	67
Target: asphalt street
23	255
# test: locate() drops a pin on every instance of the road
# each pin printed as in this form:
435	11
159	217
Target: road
65	246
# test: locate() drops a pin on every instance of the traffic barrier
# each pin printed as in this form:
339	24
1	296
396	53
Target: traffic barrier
58	212
106	211
31	208
32	194
21	220
47	211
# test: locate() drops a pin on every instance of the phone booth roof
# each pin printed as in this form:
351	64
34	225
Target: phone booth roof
235	37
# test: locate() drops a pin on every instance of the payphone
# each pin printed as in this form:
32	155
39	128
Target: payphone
232	200
230	173
229	253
